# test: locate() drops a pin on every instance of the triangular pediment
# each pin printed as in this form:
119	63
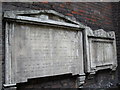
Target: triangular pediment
42	15
50	15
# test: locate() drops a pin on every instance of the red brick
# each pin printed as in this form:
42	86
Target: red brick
82	10
69	14
61	5
45	2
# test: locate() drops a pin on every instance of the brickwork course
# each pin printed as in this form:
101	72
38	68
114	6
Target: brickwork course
97	15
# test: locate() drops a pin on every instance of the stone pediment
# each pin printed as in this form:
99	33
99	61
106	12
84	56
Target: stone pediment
42	16
100	33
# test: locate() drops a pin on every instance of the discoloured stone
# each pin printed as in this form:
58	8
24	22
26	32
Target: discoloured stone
101	50
11	88
38	17
42	50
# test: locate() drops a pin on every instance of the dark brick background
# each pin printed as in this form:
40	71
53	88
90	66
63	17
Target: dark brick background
93	14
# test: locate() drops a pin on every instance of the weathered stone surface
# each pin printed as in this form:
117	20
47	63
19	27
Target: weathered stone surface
94	25
42	16
38	51
101	50
11	88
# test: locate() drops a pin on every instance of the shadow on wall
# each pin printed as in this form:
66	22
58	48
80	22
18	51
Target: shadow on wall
116	24
102	79
61	81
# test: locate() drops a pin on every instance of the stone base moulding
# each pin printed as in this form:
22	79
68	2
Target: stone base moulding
81	81
9	87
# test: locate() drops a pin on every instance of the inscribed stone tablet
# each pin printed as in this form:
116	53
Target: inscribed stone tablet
39	51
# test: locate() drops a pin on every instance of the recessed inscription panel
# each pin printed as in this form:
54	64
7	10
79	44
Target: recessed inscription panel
100	48
102	52
40	51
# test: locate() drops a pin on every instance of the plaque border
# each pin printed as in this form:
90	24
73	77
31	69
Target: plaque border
98	35
12	17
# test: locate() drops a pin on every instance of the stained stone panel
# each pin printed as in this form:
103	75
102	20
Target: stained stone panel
40	51
41	43
100	50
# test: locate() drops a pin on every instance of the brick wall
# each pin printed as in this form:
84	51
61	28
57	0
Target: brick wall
93	14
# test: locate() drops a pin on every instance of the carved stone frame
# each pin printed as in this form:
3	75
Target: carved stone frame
18	16
98	36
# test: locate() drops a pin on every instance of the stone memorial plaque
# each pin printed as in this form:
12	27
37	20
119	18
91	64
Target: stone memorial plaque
36	50
101	50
